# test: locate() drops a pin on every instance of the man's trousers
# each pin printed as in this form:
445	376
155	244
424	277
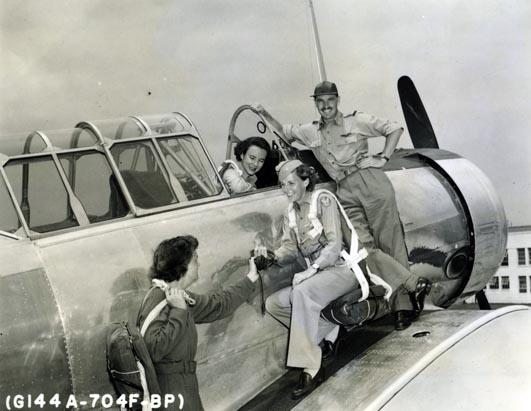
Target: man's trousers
368	197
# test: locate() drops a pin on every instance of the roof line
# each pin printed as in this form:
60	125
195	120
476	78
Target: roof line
517	228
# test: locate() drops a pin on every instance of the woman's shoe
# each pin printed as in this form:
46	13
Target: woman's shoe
307	384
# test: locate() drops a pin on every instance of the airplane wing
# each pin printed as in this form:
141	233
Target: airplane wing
447	360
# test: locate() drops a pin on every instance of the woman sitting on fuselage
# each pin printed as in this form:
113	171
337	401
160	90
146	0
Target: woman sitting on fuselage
325	278
240	176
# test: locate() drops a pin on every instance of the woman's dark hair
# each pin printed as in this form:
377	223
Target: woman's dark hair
242	147
307	172
172	256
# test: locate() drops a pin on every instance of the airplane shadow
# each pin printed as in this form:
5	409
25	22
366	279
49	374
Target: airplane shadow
277	396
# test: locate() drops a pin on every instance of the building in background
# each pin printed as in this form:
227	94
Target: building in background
512	282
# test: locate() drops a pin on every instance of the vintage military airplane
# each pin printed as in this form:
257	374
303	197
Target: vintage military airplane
82	210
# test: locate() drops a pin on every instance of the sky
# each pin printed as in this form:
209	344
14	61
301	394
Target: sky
64	61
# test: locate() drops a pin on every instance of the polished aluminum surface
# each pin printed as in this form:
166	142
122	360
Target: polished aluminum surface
98	275
111	286
372	379
81	279
498	376
435	227
488	218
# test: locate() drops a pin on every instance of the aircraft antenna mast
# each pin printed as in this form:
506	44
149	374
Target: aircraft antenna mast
318	51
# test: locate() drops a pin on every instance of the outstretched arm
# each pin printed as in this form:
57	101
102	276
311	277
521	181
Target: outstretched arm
289	133
219	304
287	252
274	122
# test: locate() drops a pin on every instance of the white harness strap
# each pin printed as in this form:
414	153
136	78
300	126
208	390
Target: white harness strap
353	257
146	405
232	164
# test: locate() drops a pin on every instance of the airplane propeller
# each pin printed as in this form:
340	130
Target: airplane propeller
417	120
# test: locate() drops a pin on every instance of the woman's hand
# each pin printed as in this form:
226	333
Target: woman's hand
253	272
304	275
175	298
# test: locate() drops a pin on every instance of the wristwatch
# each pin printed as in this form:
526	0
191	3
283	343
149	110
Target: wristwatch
315	266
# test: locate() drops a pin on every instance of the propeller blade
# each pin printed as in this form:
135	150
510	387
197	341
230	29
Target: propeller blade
417	120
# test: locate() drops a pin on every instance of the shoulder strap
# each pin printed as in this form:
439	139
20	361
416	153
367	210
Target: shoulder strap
226	164
157	309
353	256
152	315
312	215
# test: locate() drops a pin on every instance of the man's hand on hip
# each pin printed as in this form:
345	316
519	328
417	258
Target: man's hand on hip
371	161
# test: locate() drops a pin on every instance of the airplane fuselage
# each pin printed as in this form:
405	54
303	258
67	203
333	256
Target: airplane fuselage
62	284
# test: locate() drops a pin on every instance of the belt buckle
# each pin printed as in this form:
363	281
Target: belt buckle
350	170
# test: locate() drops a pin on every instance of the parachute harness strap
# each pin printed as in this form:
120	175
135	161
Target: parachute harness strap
229	163
354	256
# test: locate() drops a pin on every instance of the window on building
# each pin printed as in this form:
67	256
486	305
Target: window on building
505	261
505	282
529	255
521	256
522	282
494	283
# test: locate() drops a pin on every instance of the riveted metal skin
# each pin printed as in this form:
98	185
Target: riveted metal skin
78	280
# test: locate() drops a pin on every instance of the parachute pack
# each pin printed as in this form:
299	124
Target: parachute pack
128	360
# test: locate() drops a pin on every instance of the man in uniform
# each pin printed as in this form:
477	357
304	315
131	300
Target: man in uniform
340	144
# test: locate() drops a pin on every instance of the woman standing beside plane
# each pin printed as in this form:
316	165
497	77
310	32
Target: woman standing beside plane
251	154
171	338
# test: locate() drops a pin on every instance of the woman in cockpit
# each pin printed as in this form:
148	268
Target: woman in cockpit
171	337
251	154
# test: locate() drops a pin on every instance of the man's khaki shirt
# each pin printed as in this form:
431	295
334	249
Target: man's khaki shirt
339	144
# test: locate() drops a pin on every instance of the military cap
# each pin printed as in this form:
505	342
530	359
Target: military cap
285	168
325	87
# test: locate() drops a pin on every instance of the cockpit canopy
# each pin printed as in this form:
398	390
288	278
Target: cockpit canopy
101	170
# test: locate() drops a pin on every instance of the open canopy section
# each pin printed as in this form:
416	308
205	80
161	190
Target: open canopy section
246	123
